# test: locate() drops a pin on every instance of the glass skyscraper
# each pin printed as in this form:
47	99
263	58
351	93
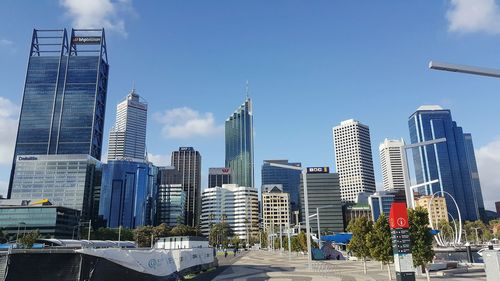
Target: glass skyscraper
171	199
449	162
239	144
476	184
127	193
64	96
289	179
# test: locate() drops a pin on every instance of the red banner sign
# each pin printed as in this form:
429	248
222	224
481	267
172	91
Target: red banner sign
398	216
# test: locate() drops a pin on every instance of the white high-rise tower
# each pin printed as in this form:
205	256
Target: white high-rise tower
353	159
394	165
127	139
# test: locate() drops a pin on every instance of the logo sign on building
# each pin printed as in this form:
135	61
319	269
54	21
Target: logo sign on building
219	171
318	170
86	40
403	261
27	158
187	148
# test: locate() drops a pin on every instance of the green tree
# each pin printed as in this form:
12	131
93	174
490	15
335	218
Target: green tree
263	239
421	238
235	241
380	244
360	227
302	242
219	234
183	230
29	239
143	235
162	230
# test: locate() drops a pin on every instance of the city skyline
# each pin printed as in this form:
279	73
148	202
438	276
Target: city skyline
456	92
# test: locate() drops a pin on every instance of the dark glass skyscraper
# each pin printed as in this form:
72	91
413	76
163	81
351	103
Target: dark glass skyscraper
239	144
448	162
476	184
188	162
290	179
64	96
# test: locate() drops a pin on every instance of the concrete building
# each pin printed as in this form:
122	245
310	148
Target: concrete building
71	181
353	211
127	138
353	159
323	190
219	176
236	205
449	162
275	208
380	203
19	216
188	162
181	242
289	179
438	210
239	144
171	199
394	165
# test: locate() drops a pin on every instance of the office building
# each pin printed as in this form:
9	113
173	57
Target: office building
64	97
476	183
354	211
324	193
353	159
394	166
127	138
70	181
188	162
236	205
219	176
19	217
128	194
239	144
380	203
171	199
289	179
275	208
448	162
438	212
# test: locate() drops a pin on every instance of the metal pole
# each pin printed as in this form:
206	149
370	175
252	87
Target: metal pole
319	230
306	207
119	234
90	226
17	236
289	243
281	239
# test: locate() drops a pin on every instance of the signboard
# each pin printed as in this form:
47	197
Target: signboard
186	149
318	170
401	244
86	40
219	171
27	158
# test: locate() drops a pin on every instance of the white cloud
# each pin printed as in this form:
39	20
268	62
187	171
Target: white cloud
3	188
184	123
8	129
488	161
98	13
5	42
474	16
159	159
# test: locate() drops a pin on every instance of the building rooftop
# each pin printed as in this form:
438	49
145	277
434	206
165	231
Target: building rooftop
429	107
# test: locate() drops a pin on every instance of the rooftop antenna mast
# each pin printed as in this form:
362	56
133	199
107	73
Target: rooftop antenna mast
246	90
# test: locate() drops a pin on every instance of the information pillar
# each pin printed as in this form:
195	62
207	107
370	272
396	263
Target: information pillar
403	261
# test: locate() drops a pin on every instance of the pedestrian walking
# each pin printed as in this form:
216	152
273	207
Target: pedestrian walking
225	253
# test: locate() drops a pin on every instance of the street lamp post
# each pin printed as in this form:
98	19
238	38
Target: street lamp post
306	206
317	221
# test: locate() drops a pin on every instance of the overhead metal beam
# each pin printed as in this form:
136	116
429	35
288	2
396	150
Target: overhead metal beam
424	143
464	69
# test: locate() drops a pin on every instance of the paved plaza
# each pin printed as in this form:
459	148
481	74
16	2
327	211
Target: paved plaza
263	265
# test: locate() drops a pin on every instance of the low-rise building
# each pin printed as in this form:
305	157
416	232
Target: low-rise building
353	211
18	217
437	208
275	208
181	242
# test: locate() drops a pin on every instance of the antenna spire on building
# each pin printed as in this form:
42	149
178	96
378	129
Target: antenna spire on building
247	90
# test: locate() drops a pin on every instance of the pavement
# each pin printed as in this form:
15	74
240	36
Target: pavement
264	265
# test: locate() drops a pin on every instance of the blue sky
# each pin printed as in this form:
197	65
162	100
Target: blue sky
310	65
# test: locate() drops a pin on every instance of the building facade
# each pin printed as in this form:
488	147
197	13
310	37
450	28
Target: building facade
127	194
239	144
70	181
236	205
437	209
380	203
394	165
275	208
353	159
127	138
289	179
19	217
171	199
188	162
219	176
448	162
323	190
353	211
64	97
476	183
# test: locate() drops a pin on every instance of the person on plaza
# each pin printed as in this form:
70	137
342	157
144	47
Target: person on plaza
234	251
225	252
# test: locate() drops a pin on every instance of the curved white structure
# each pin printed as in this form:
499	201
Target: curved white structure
458	229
